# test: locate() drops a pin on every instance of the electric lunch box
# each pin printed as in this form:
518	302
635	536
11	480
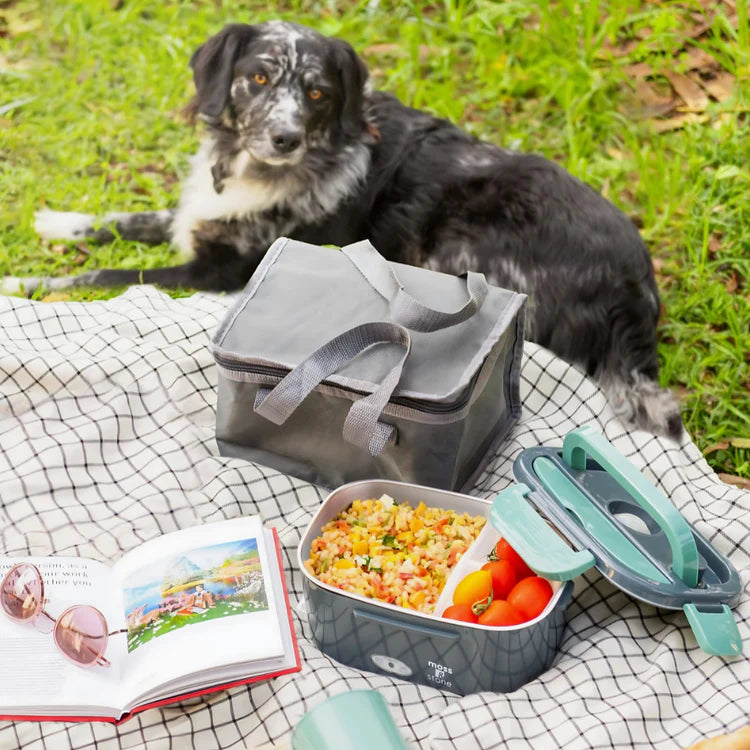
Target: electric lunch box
572	509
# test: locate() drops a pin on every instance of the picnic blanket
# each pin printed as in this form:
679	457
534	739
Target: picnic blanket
107	440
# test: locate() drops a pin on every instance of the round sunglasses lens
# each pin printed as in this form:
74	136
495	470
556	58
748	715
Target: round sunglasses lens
81	634
21	592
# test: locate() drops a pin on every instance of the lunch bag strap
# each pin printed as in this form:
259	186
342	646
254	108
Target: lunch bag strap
362	426
405	309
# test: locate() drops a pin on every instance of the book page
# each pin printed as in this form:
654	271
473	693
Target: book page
196	600
36	677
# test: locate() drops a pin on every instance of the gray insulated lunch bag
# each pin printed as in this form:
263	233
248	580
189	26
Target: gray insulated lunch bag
336	365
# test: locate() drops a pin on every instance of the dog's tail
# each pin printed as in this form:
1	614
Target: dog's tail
151	227
639	401
629	373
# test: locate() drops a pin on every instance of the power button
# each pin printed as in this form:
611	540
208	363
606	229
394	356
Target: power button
389	664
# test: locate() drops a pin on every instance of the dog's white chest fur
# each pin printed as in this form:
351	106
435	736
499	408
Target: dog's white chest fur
241	197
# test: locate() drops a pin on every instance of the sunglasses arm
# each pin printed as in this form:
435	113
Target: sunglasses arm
102	661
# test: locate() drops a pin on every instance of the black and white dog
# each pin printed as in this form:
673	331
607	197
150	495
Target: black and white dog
297	144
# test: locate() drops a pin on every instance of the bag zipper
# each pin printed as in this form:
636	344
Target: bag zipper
281	372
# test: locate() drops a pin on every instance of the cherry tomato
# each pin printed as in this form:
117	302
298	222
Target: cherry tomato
462	612
501	613
503	551
475	590
504	577
530	596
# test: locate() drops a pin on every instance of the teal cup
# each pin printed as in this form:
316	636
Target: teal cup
357	720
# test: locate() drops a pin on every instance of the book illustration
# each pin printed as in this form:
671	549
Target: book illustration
203	584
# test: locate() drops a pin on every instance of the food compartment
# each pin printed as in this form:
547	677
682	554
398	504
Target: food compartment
383	637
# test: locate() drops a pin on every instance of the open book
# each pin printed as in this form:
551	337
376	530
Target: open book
203	609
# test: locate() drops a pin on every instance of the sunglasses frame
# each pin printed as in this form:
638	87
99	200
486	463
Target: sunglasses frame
100	660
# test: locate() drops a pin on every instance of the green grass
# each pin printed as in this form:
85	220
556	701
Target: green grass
99	86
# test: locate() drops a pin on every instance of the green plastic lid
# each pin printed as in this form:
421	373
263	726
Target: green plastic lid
601	511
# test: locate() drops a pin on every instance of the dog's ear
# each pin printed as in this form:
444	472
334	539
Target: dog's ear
353	75
213	67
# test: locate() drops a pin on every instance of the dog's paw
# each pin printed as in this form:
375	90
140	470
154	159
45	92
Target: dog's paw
62	225
20	285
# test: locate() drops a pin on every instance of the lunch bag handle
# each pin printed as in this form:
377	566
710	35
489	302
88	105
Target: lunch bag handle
405	309
362	426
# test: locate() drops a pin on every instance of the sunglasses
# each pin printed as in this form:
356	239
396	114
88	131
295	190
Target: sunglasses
80	632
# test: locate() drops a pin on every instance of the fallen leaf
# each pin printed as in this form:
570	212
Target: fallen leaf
698	59
609	50
644	33
56	297
732	285
58	249
736	481
720	446
720	86
740	442
653	104
692	94
638	70
714	245
606	187
664	126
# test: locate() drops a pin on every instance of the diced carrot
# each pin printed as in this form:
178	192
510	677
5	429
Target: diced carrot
455	552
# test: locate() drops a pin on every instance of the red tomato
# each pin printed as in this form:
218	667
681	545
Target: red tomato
501	613
530	596
504	577
503	551
462	612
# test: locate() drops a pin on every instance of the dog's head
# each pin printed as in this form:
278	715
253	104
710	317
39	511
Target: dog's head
283	88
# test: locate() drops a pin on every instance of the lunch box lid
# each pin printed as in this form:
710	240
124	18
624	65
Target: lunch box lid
595	509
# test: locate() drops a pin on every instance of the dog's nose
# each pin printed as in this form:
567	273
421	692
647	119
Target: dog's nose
286	141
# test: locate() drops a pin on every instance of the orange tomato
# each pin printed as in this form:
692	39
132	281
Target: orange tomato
503	551
504	577
462	612
530	596
501	613
475	590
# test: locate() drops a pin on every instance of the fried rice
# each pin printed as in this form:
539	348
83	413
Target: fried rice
392	552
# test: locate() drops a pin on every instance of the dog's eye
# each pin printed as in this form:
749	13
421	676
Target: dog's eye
261	79
315	94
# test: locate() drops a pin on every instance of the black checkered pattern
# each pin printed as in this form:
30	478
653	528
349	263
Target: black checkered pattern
106	440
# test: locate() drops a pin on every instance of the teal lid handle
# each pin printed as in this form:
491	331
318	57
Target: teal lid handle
594	521
715	630
587	441
530	535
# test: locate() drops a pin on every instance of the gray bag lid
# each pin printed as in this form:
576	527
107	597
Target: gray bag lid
311	294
